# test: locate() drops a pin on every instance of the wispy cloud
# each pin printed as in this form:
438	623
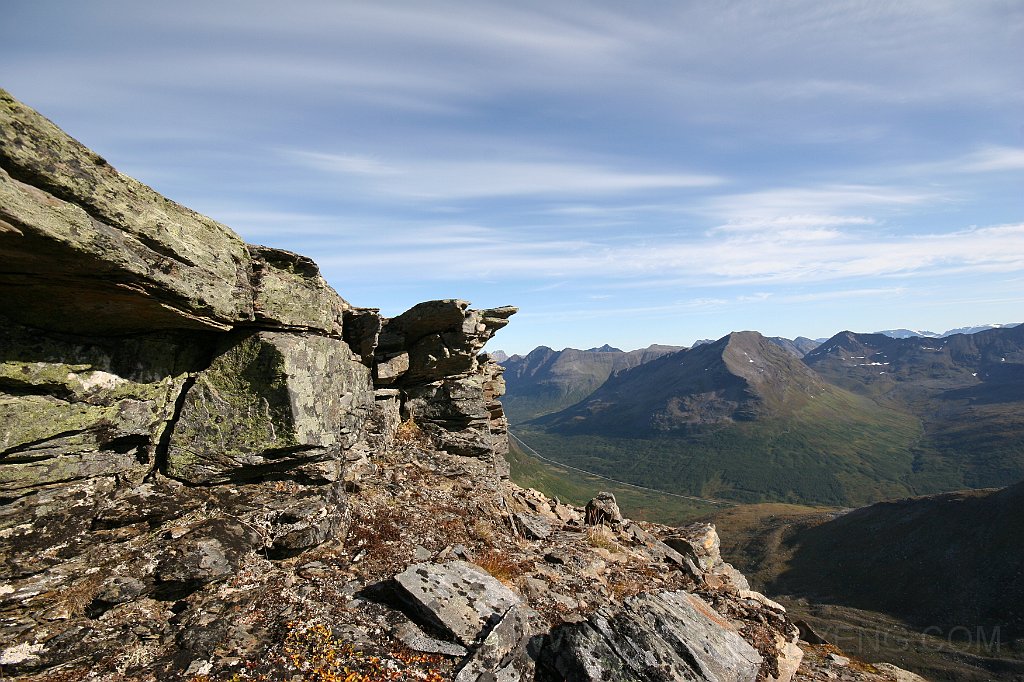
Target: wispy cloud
993	159
551	152
725	259
474	178
797	204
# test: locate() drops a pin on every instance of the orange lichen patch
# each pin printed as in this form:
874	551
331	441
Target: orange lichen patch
709	613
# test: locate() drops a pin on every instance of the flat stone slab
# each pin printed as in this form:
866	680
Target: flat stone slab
533	526
461	599
665	636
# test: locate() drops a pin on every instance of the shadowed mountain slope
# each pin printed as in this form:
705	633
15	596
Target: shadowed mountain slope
933	584
947	560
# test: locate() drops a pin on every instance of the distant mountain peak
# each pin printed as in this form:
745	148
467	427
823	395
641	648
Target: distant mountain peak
974	329
605	349
970	329
908	333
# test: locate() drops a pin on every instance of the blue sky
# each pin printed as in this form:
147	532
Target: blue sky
650	172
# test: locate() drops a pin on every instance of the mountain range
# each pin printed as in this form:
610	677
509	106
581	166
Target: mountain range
546	380
861	417
970	329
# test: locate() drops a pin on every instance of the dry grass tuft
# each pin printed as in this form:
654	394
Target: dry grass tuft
76	599
410	432
603	537
499	565
483	531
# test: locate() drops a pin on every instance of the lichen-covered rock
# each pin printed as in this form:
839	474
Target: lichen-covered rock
210	551
423	319
603	510
288	291
269	401
390	370
700	543
361	330
509	652
459	598
77	407
299	520
462	413
441	338
105	252
665	636
533	526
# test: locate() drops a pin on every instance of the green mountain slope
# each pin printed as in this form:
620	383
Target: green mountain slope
577	488
742	419
967	389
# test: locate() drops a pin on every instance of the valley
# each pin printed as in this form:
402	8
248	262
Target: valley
859	419
930	583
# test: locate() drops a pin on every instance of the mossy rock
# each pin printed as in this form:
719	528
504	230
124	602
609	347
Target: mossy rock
269	400
101	250
74	408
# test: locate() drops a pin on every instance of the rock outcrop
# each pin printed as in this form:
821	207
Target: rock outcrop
213	467
664	636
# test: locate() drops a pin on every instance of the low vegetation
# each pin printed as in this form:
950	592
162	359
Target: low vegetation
576	488
825	454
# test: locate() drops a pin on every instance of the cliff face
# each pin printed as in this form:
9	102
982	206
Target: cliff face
214	467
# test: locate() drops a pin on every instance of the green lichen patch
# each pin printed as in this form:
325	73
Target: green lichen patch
264	401
289	290
237	408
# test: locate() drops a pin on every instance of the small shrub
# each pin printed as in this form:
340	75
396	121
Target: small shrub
410	432
500	566
314	652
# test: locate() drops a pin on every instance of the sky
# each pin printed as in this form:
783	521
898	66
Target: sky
624	173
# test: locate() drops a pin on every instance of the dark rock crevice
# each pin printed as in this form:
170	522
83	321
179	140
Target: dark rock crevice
162	449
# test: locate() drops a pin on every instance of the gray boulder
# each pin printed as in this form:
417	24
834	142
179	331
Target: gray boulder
509	652
361	331
268	402
699	543
603	509
532	526
665	636
458	598
209	552
288	292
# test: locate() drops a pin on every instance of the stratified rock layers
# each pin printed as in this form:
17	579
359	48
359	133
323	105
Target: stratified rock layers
141	336
144	346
